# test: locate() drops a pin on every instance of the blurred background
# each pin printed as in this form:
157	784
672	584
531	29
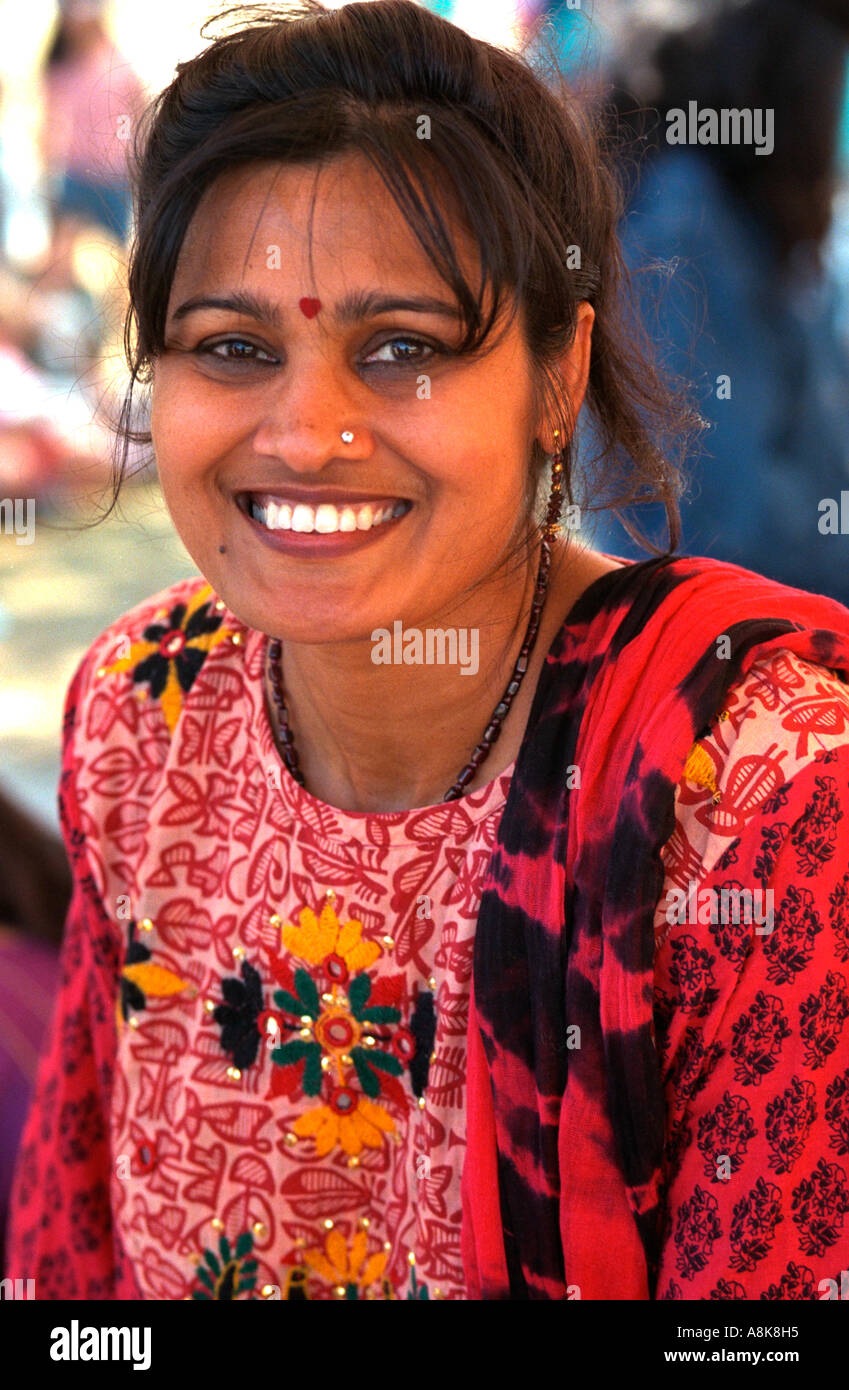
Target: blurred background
742	262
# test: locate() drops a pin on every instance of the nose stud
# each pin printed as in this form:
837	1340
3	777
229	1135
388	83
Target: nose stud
347	436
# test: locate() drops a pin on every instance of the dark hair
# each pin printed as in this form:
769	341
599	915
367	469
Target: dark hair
770	54
35	878
522	160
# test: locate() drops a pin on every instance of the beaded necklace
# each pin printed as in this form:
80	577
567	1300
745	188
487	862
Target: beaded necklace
286	740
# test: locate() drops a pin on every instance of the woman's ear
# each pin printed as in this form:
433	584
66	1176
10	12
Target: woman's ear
575	367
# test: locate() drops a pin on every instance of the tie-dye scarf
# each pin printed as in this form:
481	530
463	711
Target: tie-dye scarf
562	1178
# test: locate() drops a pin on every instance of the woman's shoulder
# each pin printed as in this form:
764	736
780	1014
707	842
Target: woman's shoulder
152	654
779	744
672	614
157	701
114	640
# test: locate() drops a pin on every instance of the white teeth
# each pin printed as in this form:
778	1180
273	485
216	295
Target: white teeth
324	519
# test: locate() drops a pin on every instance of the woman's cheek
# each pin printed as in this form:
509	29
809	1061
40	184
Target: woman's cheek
178	442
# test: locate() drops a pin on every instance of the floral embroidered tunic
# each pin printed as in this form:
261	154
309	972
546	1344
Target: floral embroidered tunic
254	1082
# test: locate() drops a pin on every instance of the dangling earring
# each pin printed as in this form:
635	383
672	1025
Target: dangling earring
552	526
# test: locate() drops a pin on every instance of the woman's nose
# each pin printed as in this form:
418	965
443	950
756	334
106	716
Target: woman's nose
305	415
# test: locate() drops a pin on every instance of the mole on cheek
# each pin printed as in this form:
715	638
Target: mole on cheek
222	550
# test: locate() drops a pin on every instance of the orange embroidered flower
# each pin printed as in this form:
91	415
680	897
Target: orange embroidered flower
351	1270
699	768
142	978
324	939
349	1119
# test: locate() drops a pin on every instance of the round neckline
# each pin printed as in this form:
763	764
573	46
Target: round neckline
455	819
425	824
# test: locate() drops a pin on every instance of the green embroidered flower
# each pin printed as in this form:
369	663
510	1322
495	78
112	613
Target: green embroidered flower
418	1292
337	1032
228	1274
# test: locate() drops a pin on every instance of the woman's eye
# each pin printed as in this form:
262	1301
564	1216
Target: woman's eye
400	358
395	352
236	350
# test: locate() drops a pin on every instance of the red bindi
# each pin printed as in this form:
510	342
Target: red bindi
309	307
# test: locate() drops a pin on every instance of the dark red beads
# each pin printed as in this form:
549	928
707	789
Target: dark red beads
287	738
499	714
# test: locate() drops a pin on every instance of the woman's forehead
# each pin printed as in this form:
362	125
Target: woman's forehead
333	222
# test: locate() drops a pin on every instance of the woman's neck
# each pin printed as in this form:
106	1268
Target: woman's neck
391	737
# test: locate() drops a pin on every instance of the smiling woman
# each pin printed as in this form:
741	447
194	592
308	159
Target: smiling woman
422	1010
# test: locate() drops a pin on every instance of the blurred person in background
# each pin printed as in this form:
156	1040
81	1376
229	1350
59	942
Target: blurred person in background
35	891
737	281
92	100
59	327
52	436
574	32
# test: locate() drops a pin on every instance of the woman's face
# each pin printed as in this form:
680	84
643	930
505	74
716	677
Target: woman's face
253	392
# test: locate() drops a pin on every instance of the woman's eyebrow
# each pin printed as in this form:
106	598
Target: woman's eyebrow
359	304
356	305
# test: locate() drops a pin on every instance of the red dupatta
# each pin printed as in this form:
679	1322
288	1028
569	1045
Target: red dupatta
561	1184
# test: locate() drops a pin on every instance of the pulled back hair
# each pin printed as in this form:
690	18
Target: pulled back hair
520	156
